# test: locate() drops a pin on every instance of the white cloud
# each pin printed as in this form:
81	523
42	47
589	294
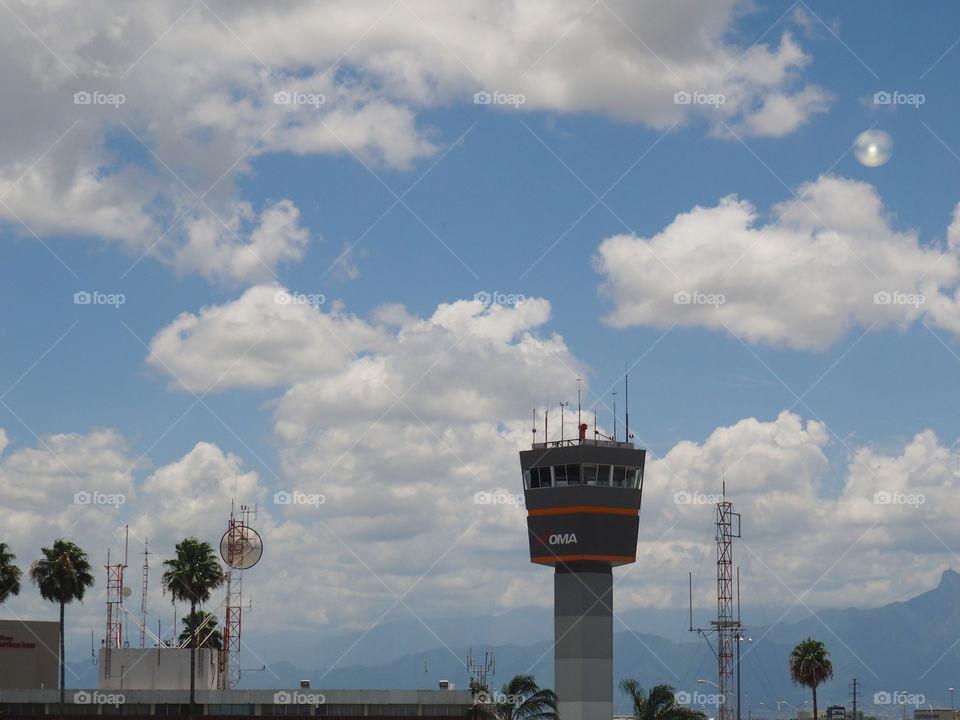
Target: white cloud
193	495
193	100
822	265
781	114
889	521
265	338
398	478
399	515
218	248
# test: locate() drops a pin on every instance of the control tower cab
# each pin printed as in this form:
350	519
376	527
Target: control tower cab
583	516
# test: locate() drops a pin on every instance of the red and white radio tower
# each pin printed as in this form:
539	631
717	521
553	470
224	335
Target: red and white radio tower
241	548
114	637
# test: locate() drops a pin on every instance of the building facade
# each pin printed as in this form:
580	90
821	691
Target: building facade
29	654
341	704
157	669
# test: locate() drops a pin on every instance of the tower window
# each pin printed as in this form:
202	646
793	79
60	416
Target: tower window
537	477
626	476
566	474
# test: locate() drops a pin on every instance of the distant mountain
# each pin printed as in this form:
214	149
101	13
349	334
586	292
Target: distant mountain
912	645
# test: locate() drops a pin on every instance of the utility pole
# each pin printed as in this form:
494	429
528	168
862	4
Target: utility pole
853	694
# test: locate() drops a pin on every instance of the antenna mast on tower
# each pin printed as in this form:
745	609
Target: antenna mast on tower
626	403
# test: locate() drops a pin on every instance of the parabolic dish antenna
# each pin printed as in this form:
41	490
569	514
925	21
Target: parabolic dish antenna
126	592
246	551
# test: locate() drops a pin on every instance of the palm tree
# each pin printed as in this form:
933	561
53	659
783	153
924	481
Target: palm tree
62	575
810	666
480	709
659	704
9	573
204	626
189	577
523	699
519	699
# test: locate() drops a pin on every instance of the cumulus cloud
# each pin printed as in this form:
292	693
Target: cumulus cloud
354	367
823	264
220	249
131	126
398	448
399	514
889	519
266	337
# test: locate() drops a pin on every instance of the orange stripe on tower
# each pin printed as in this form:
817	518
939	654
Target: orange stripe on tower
549	559
592	509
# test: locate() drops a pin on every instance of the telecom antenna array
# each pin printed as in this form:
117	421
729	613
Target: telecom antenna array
479	672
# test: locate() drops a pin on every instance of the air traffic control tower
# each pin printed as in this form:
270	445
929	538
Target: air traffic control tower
583	514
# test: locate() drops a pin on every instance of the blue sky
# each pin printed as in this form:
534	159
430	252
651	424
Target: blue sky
532	201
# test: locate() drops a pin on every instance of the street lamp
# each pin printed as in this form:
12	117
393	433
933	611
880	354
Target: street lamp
710	682
952	711
795	707
904	694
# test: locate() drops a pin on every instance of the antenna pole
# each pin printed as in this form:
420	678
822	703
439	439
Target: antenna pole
690	581
626	401
546	420
143	596
562	406
614	393
578	404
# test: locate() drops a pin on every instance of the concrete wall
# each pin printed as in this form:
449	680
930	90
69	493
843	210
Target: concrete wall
583	648
157	669
29	654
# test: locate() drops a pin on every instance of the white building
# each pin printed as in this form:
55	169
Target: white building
160	668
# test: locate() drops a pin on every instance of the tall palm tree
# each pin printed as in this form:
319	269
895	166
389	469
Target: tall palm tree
810	666
203	625
62	575
659	704
189	577
523	699
9	573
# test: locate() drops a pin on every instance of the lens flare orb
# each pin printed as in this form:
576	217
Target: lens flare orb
873	147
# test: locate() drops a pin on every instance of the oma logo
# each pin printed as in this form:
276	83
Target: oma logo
562	539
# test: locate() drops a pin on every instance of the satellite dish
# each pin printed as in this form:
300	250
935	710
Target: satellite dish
126	592
247	550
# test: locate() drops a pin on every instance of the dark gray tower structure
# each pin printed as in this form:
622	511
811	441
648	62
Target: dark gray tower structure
583	515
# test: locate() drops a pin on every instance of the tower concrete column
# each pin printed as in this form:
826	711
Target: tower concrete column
583	649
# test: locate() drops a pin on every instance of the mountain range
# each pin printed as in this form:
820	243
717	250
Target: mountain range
911	646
